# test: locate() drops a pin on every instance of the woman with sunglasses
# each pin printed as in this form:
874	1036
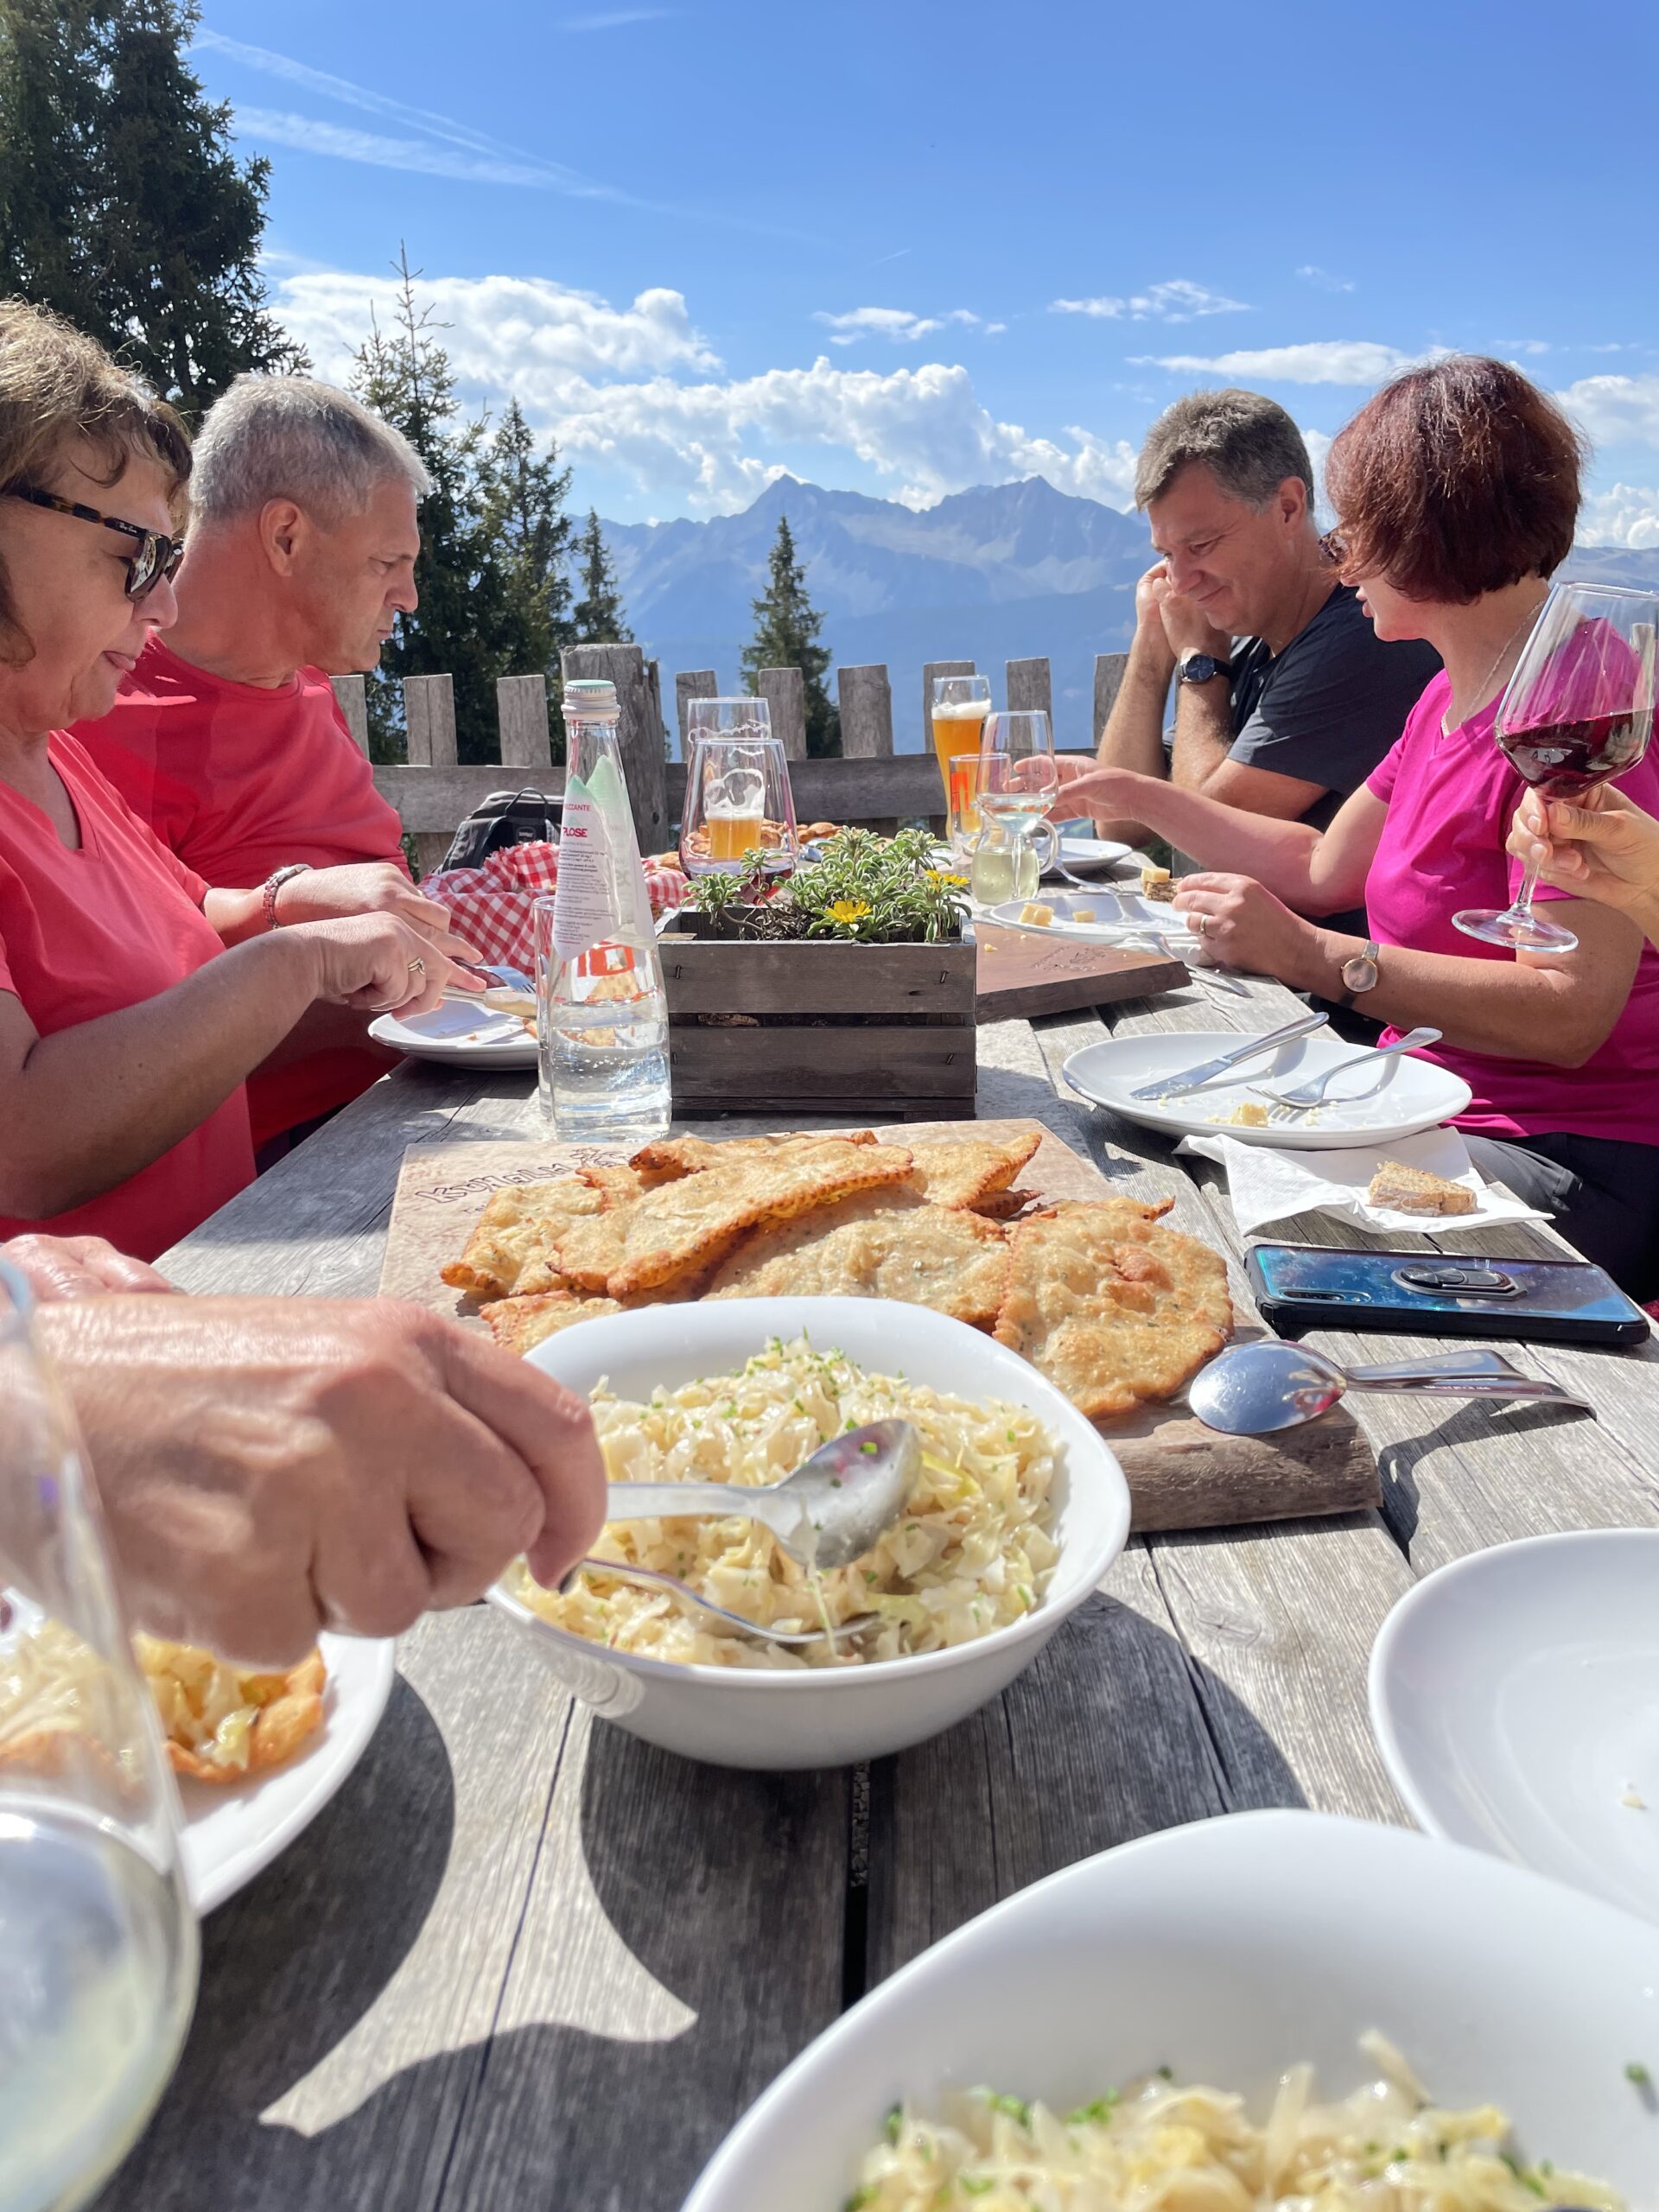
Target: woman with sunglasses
1458	487
133	1000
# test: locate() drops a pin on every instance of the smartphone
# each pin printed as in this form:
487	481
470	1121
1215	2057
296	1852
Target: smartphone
1301	1286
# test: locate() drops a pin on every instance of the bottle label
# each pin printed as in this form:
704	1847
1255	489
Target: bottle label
582	896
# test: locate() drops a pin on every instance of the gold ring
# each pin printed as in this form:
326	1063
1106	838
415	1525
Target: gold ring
1201	923
417	966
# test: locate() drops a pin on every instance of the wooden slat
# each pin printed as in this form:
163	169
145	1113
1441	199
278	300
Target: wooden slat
350	697
758	1071
521	711
865	697
691	683
808	979
429	721
784	691
1109	681
640	735
435	801
1030	687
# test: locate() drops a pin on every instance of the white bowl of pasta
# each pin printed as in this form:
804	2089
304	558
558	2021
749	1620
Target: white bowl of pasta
1085	2043
1020	1510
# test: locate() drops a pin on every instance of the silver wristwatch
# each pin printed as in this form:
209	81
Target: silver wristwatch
274	883
1359	972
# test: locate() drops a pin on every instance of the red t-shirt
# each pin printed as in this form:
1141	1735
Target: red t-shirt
86	933
238	779
1450	796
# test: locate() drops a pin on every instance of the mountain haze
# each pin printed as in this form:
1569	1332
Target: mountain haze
990	574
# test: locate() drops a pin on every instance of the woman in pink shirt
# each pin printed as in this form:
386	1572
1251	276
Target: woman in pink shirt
1458	487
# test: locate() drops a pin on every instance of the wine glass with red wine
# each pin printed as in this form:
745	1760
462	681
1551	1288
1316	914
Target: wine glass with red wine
1578	711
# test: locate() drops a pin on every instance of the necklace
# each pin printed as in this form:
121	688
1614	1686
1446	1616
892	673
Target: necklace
1481	692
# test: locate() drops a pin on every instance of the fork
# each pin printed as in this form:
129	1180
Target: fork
1286	1105
653	1579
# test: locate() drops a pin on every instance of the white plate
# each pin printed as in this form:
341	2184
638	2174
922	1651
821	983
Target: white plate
1120	914
1227	1951
1085	853
471	1036
826	1717
232	1831
1516	1700
1370	1105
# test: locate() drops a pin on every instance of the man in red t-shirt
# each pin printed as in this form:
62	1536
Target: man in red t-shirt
227	738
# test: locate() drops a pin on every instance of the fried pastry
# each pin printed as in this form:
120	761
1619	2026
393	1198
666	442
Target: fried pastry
514	1246
884	1243
961	1171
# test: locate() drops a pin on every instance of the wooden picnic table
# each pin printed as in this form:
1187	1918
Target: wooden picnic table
526	1961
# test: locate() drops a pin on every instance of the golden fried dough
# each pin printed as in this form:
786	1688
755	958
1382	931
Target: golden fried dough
678	1229
1005	1205
960	1171
222	1723
884	1243
1117	1312
519	1324
675	1156
512	1247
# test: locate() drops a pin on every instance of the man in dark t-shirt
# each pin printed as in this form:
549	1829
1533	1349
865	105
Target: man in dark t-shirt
1294	716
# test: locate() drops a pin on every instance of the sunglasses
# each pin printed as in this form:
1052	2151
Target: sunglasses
157	556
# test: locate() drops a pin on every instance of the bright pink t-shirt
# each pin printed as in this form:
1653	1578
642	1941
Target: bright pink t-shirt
1450	796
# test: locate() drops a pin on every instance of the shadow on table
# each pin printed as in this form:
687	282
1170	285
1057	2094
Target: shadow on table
1472	1422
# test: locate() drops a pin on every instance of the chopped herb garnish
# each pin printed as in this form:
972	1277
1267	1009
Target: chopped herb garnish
1637	2072
1165	2073
1096	2109
870	1448
870	1574
894	2121
971	2187
1016	2107
835	1482
1526	2180
858	2200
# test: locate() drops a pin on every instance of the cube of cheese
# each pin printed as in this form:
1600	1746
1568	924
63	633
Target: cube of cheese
1038	917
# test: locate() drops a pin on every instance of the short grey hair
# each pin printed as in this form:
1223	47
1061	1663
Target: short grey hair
1247	441
292	438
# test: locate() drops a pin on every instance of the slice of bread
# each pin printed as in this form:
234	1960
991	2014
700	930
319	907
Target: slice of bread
1413	1190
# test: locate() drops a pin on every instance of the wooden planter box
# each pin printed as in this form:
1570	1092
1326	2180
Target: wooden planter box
884	1030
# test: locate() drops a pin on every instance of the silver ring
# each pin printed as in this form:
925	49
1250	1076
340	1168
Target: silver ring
417	966
1201	923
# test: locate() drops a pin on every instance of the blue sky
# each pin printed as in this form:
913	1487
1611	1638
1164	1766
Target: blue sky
904	248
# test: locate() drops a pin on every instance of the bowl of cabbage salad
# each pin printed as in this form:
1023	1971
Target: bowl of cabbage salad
1018	1511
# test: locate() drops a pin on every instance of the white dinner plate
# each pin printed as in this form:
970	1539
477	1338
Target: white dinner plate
1372	1104
1230	1950
231	1830
1084	853
469	1036
1516	1700
1118	914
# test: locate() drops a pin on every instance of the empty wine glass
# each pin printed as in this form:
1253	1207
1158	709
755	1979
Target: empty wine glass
1016	783
97	1940
1578	710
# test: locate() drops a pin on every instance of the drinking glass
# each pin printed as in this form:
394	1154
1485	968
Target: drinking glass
1017	780
959	706
97	1940
1578	710
738	798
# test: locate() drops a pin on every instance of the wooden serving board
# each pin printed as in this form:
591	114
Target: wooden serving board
1020	973
1181	1475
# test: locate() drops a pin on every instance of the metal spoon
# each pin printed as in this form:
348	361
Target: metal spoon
654	1579
833	1508
1257	1389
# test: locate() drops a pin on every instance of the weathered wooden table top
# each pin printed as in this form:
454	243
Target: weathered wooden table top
524	1961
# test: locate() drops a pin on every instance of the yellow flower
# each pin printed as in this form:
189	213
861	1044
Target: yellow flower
848	911
942	880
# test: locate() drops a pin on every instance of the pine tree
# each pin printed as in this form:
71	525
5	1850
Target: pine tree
462	626
599	617
122	204
523	500
787	631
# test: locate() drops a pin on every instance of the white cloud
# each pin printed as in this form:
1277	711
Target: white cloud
898	324
1178	301
605	381
1616	410
1523	345
1628	515
1335	360
1311	273
310	136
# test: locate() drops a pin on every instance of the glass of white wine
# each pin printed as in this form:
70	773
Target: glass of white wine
1017	783
97	1939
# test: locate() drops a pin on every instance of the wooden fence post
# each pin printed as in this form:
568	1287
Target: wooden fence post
352	699
1108	681
692	684
429	720
865	697
1030	687
784	691
640	735
521	713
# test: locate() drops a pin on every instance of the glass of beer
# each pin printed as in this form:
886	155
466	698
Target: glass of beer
738	800
959	706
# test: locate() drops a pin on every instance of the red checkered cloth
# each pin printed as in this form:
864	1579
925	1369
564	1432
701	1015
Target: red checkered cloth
494	906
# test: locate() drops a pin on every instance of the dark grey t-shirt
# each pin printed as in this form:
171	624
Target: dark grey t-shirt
1329	707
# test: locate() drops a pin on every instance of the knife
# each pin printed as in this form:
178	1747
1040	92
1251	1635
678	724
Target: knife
1175	1086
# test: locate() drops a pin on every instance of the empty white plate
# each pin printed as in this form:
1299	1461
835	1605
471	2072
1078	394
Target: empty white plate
1515	1695
1369	1105
472	1036
1086	853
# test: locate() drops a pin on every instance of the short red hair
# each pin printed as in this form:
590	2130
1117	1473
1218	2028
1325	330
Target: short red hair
1454	480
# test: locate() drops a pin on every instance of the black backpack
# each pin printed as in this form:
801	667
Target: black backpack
521	817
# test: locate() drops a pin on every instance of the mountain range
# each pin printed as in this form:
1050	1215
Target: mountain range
994	573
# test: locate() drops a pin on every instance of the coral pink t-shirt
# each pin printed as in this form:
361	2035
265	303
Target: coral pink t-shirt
1450	796
238	779
88	933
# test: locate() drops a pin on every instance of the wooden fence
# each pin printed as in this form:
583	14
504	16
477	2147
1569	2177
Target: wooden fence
434	791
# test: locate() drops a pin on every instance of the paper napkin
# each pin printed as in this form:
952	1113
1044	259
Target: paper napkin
1266	1183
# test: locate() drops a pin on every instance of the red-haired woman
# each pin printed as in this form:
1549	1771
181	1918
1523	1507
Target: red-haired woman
1458	490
